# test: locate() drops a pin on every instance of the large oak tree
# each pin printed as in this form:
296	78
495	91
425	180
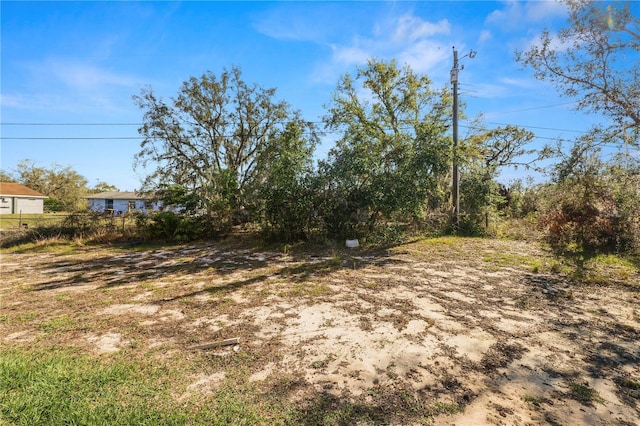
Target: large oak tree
218	139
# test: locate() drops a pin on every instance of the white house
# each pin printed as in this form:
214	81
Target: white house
18	199
117	202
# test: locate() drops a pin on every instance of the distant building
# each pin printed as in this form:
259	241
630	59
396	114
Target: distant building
117	202
17	199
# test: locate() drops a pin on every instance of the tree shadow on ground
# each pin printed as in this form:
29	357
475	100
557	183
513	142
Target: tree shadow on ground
606	344
201	261
399	404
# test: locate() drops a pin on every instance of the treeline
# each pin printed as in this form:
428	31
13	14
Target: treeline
229	153
64	187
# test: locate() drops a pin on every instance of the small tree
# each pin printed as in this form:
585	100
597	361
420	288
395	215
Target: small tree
393	150
485	153
287	193
596	58
6	177
102	186
64	186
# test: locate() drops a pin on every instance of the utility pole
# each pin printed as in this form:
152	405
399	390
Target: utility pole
456	181
456	184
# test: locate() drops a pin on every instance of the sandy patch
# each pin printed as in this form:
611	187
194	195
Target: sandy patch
107	343
130	308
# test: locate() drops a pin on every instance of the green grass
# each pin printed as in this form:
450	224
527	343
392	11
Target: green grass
585	393
62	387
308	289
57	324
8	221
47	245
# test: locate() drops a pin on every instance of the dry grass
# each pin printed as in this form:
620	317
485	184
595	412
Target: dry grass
443	331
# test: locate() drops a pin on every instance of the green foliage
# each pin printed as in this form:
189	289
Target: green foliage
482	199
393	151
287	194
6	176
593	205
170	226
103	187
217	141
63	185
592	59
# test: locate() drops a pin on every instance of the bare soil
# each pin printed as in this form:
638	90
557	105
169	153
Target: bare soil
446	331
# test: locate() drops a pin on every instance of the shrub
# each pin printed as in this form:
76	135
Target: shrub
598	212
170	226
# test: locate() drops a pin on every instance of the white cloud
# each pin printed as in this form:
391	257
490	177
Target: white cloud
515	14
424	56
87	77
407	38
540	10
295	28
409	28
349	55
485	35
68	85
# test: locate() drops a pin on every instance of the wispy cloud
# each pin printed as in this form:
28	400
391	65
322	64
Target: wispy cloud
68	85
407	38
409	28
85	77
425	55
485	36
515	14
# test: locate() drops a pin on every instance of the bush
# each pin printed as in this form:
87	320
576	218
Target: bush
598	212
170	226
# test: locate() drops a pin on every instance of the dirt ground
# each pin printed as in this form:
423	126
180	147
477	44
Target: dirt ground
446	331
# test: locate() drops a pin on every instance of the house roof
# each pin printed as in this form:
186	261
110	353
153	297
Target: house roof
12	189
116	195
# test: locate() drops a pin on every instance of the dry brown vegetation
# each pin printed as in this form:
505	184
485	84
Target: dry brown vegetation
438	331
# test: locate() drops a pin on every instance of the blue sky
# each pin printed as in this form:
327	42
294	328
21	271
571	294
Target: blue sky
69	69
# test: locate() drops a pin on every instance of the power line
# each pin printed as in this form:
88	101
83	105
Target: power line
47	138
68	124
537	127
534	108
313	122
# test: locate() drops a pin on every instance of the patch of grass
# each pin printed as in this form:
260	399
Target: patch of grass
51	245
309	290
57	324
632	388
444	408
585	393
597	269
21	318
535	400
318	364
8	221
63	297
503	259
525	302
631	384
62	387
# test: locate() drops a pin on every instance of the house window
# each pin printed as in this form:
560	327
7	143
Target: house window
131	205
108	204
